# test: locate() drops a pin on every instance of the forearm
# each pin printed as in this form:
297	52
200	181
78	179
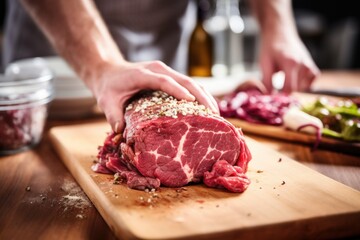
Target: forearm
274	16
281	48
78	33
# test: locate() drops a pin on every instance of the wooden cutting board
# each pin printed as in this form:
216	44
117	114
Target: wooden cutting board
284	200
280	132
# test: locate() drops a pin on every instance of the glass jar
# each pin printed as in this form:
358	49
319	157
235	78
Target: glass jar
25	92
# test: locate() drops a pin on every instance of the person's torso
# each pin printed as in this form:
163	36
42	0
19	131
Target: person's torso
143	30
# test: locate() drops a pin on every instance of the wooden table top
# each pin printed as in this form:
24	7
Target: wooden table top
36	188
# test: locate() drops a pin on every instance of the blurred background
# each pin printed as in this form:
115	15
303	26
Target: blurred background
329	28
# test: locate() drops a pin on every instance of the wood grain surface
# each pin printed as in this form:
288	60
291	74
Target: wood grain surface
33	204
280	132
285	199
42	213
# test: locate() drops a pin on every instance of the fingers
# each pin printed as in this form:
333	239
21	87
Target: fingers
121	82
291	79
293	59
203	96
267	71
307	75
115	118
114	113
207	99
299	77
119	126
158	81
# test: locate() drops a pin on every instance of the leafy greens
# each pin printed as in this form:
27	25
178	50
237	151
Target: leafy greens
341	118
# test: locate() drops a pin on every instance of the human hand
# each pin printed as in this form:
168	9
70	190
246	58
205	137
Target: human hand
287	54
118	83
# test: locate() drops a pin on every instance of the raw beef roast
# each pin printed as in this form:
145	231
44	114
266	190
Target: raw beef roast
171	143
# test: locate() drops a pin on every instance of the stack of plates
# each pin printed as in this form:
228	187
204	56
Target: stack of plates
72	99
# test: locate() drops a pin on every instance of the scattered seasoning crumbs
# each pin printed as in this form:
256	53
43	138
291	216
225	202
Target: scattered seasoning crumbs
180	190
28	188
117	178
259	171
279	160
283	183
152	198
74	198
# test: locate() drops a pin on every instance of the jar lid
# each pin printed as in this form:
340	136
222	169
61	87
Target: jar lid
26	84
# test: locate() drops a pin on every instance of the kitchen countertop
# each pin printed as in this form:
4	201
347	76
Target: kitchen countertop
37	191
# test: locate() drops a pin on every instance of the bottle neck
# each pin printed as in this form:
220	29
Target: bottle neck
201	10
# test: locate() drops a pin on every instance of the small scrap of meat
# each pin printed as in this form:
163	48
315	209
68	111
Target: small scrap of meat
170	142
224	175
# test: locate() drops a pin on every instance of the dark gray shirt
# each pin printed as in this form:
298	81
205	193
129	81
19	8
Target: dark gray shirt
143	29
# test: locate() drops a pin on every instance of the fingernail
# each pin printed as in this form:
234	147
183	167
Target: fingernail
117	127
190	96
216	110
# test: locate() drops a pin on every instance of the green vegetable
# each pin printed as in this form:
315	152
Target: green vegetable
341	119
351	131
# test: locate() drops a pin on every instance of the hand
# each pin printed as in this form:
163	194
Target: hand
288	54
118	83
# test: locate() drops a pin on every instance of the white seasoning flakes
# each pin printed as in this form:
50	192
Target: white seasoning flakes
160	104
129	107
150	199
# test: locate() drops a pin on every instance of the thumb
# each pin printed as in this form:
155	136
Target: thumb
119	126
115	117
